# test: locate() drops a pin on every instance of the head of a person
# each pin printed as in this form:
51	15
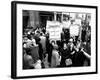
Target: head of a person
52	42
34	42
24	51
78	44
55	46
28	51
72	21
37	40
29	36
41	34
63	29
65	46
25	39
71	41
47	34
38	32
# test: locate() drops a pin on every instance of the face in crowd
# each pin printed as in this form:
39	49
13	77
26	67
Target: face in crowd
64	46
25	39
71	42
52	43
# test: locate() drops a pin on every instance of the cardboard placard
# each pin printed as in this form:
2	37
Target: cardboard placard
54	28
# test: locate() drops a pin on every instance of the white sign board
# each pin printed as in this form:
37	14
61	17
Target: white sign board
54	28
74	30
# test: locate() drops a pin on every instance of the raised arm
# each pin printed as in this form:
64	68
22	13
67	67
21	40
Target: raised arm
86	54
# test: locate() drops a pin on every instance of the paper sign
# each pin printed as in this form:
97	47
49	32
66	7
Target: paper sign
74	30
54	28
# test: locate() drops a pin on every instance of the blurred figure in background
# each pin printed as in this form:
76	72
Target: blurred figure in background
64	55
56	58
28	62
43	42
80	56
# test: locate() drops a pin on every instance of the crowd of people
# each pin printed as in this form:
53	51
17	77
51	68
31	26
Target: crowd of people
41	52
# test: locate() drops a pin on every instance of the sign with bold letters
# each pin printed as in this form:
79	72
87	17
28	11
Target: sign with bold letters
54	28
74	30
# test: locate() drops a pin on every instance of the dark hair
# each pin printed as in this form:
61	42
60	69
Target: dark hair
41	34
28	51
37	40
29	36
78	41
53	41
64	43
38	31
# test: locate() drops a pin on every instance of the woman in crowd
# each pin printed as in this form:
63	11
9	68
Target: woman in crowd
65	55
40	49
32	54
80	56
71	46
28	62
43	42
78	59
55	59
49	49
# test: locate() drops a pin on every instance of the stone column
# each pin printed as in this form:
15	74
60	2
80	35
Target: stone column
33	19
55	16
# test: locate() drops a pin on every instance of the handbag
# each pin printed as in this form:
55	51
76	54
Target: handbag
68	62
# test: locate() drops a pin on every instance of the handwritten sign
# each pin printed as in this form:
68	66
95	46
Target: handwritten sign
54	28
74	30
